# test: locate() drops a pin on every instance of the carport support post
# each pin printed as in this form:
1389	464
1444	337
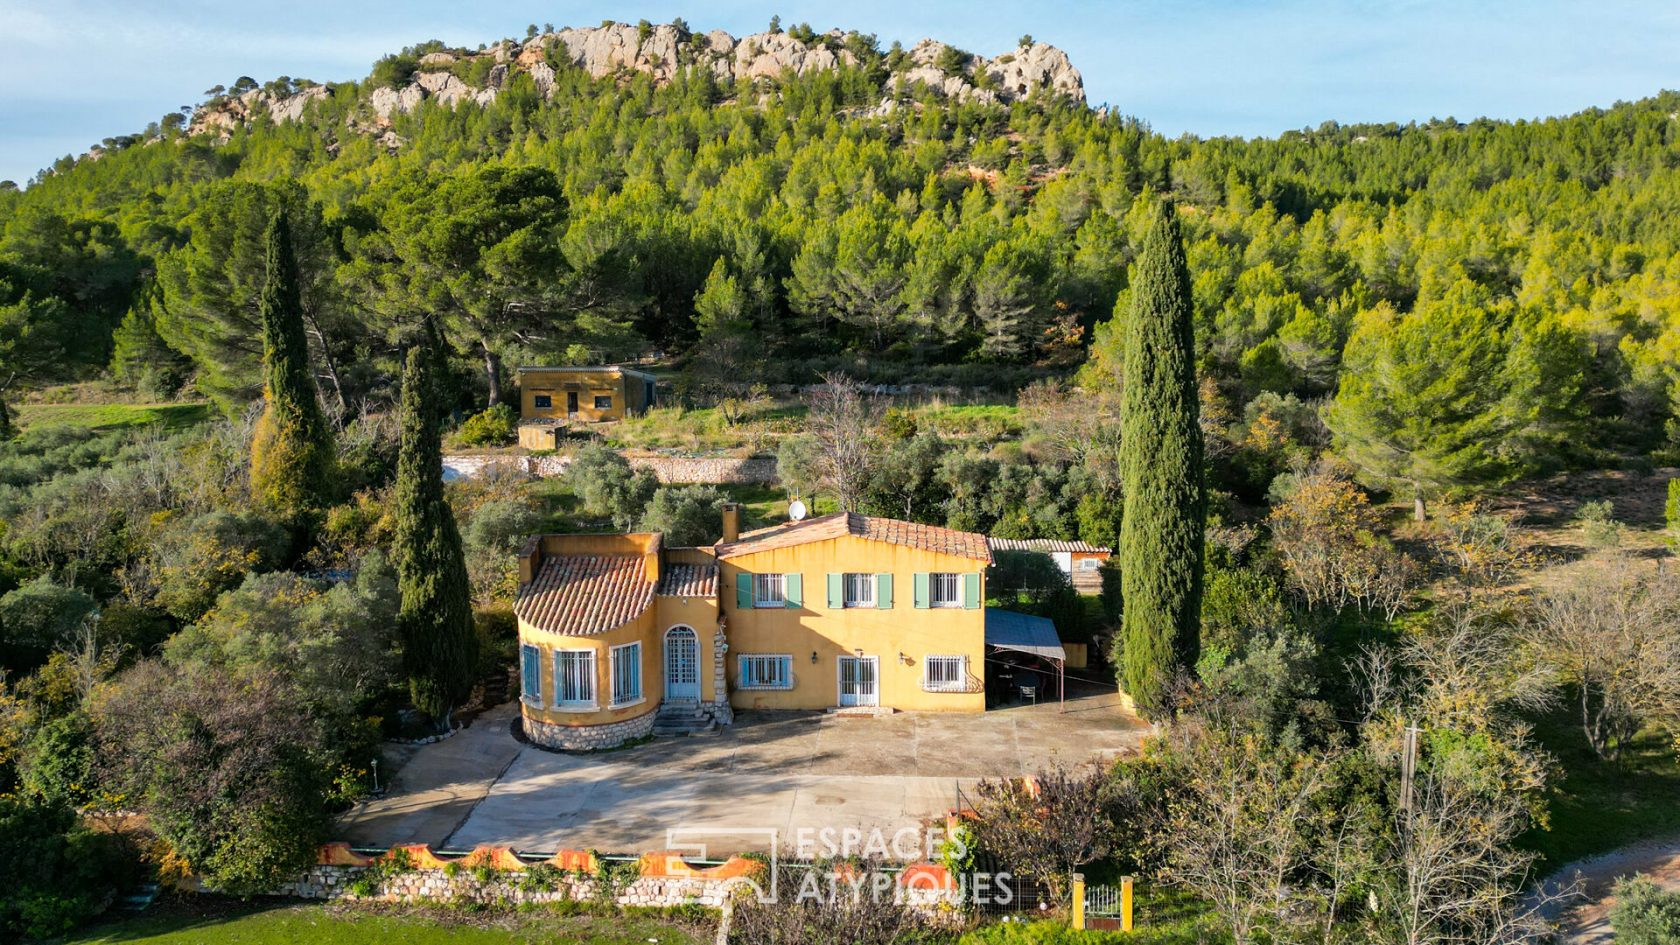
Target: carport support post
1079	902
1061	686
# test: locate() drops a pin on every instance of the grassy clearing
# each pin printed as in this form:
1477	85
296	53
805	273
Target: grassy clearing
1600	806
112	416
192	922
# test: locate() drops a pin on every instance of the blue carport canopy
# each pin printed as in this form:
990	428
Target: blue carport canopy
1024	633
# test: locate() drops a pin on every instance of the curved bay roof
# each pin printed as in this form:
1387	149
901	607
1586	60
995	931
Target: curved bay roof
579	595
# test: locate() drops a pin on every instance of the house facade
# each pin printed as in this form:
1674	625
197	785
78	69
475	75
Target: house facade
550	396
845	611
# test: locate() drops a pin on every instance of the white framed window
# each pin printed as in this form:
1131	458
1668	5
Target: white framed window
626	674
1090	564
945	589
530	674
574	679
860	590
945	673
765	671
769	590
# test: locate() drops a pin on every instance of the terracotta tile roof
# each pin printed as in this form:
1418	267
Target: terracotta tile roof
584	594
688	580
1046	545
891	530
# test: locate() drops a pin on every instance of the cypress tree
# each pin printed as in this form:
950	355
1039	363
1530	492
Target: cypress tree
1161	469
435	622
291	447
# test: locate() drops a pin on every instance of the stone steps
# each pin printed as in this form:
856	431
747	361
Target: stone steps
681	719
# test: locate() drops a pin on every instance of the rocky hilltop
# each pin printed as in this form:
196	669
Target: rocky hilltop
456	77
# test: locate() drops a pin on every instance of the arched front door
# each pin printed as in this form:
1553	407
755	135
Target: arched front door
682	665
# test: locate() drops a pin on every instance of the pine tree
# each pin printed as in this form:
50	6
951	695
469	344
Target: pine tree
1161	468
435	623
291	447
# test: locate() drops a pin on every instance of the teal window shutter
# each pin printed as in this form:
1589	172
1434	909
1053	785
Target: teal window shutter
971	591
883	591
921	590
836	591
743	591
793	590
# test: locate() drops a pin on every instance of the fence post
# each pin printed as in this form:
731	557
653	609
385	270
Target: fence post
1079	901
1126	904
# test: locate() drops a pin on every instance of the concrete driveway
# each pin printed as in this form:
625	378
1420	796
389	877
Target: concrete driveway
771	773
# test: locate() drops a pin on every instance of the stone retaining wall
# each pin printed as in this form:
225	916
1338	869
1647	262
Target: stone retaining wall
589	737
497	874
666	468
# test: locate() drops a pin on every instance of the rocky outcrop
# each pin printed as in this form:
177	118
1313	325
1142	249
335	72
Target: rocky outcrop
663	52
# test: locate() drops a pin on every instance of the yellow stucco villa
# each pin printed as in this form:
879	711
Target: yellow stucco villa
621	637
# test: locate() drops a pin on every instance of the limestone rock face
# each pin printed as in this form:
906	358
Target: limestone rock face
663	52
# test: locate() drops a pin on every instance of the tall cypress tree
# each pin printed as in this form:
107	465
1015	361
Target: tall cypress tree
291	447
435	622
1161	468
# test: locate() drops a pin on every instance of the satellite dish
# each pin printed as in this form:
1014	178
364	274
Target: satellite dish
796	510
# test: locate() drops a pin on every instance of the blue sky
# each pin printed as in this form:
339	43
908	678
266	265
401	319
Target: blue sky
75	71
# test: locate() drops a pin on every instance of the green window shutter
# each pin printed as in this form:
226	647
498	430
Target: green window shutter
921	590
743	591
793	590
836	591
971	591
883	591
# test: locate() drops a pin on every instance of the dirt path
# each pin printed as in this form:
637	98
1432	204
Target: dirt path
1588	922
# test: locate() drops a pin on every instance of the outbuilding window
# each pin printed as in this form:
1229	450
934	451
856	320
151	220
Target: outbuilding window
603	402
542	401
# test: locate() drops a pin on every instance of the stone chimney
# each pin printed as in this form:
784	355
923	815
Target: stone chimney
731	522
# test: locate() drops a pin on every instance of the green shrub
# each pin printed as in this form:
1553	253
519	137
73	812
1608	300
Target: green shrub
1644	914
1599	525
494	426
55	873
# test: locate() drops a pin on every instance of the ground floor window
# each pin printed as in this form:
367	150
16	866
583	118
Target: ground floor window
542	401
603	403
574	678
530	673
626	673
760	671
944	673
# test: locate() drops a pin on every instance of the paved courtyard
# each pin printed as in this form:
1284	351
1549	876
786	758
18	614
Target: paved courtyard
781	772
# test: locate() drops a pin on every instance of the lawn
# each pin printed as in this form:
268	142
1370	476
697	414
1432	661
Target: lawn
1600	806
218	922
112	416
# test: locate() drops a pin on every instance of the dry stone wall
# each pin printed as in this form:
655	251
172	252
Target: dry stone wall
666	468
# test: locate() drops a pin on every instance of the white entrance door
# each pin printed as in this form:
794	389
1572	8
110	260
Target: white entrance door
682	665
860	680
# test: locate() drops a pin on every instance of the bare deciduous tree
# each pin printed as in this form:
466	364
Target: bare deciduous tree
1454	874
1615	639
843	423
1244	831
1328	537
1047	827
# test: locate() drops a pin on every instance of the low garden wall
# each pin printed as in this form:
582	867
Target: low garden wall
496	874
717	469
